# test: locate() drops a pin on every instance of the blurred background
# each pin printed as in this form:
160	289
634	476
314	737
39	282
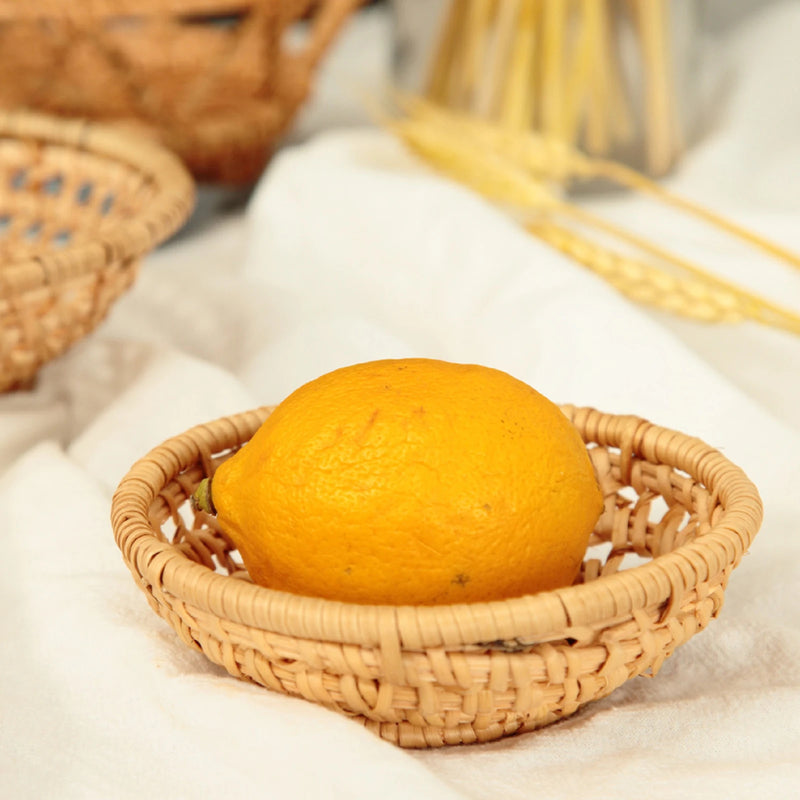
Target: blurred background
686	93
598	196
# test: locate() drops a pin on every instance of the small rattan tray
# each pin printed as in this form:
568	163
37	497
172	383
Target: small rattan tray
217	81
80	204
436	675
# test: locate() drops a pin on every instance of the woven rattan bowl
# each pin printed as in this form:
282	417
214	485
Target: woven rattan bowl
217	81
79	205
435	675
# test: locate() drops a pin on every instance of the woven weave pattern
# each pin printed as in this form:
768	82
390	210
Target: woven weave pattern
79	206
430	676
217	82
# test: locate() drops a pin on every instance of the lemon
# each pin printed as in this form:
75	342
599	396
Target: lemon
410	481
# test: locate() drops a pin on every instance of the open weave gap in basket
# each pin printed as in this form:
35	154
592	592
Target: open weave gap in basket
79	206
53	196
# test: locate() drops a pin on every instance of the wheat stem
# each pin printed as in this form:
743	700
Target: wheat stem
708	301
625	176
555	65
555	14
446	54
513	169
653	22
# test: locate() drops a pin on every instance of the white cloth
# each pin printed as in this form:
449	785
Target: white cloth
350	250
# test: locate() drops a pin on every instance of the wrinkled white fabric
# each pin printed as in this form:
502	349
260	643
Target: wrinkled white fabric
351	250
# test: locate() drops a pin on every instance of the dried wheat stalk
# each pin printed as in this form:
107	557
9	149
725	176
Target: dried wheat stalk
555	66
526	171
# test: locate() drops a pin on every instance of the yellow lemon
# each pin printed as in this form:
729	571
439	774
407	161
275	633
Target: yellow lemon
410	481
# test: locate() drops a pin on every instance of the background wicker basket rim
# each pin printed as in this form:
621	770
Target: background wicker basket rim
34	9
218	82
131	239
538	618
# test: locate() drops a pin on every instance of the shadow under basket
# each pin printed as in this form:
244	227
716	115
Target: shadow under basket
80	204
426	676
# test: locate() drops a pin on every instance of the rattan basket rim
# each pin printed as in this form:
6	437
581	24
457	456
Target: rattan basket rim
130	239
34	9
541	617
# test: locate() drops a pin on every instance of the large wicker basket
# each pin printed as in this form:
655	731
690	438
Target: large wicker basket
217	80
80	204
435	675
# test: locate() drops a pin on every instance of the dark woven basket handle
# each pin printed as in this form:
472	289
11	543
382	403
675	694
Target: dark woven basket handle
326	24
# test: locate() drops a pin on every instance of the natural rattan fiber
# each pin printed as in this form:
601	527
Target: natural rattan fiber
436	675
218	81
79	205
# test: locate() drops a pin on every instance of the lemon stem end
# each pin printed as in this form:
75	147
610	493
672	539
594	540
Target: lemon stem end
201	498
